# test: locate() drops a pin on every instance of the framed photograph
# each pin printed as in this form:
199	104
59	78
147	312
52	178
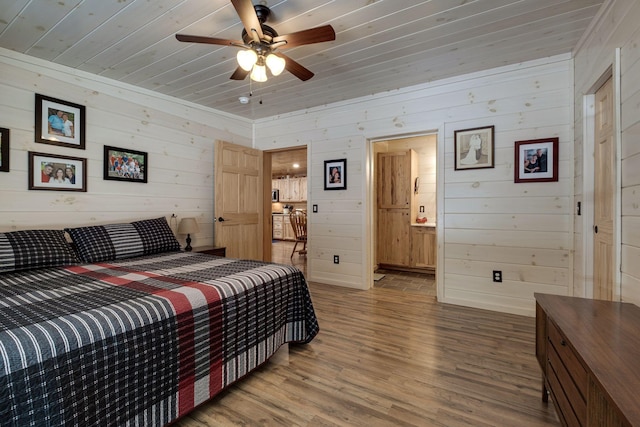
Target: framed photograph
335	174
123	164
4	150
536	160
60	173
59	122
474	148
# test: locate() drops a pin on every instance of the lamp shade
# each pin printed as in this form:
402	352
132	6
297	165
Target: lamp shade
188	226
276	64
259	73
246	58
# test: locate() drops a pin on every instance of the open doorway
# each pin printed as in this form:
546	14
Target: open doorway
289	189
405	205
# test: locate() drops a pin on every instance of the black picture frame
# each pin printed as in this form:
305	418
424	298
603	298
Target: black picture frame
72	132
335	174
74	177
4	150
118	165
546	169
474	148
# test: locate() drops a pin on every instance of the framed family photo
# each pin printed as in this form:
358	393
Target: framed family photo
4	150
59	122
335	174
53	172
474	148
536	160
124	164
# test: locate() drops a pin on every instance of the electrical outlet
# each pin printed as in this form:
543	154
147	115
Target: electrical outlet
421	208
336	259
497	276
315	208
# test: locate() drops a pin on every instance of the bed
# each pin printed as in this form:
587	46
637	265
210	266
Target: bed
109	334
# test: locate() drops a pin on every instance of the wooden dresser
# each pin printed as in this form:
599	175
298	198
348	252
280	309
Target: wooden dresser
211	250
589	352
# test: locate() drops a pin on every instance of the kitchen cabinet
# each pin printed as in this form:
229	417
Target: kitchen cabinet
291	189
287	229
282	229
423	247
277	227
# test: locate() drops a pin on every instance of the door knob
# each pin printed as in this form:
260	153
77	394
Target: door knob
595	229
220	219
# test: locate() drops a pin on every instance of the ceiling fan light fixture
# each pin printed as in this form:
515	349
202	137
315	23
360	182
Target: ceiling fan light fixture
276	64
259	73
260	41
246	59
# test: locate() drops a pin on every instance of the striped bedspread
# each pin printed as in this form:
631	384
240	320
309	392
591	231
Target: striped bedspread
140	341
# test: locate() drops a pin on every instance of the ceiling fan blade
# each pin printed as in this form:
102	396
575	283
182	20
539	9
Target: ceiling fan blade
247	14
295	68
312	35
239	74
208	40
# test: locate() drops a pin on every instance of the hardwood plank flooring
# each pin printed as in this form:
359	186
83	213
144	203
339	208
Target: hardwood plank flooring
393	356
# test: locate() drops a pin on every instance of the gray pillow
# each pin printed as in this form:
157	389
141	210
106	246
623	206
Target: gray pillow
22	250
118	241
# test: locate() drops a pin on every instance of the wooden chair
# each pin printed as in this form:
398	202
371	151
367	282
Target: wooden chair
299	223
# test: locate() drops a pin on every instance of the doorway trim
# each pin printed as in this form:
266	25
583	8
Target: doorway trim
267	187
588	167
371	203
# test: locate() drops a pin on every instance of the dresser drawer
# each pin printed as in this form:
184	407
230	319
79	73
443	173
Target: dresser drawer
563	405
569	392
572	364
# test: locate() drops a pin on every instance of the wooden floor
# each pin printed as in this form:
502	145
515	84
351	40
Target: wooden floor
393	356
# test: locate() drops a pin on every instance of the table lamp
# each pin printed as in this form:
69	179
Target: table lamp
188	226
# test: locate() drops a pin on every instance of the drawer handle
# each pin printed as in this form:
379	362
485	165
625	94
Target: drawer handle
563	343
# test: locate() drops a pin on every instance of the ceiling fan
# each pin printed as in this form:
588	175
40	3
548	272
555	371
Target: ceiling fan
260	42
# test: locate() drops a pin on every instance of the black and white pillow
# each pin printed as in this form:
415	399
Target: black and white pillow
118	241
22	250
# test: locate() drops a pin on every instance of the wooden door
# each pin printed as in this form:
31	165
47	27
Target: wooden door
604	195
239	200
393	237
423	247
394	179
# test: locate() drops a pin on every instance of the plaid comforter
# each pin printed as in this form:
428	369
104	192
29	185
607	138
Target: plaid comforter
140	341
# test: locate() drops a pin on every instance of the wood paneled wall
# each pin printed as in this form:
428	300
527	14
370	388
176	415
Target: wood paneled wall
616	27
178	137
489	223
529	231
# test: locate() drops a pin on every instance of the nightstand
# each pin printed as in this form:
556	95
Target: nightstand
211	250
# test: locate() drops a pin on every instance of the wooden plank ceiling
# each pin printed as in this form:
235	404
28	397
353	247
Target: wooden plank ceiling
380	45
